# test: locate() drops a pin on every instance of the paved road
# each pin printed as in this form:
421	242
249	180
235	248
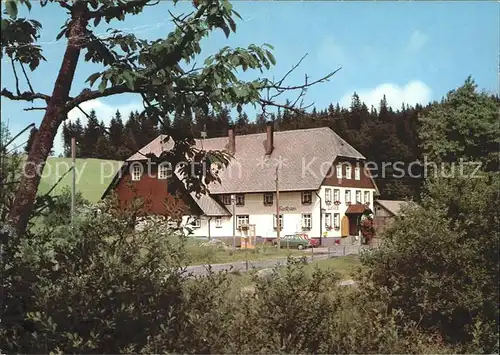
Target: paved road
319	254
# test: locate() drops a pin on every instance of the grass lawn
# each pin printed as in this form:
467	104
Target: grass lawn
345	266
201	255
92	176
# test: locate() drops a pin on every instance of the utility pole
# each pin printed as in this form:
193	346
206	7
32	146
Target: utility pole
73	182
233	202
278	225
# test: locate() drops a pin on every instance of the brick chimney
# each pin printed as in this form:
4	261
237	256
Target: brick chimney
232	139
270	138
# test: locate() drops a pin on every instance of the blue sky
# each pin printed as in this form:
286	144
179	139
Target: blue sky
411	51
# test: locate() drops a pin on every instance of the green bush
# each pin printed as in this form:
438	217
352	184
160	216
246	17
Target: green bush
107	288
439	264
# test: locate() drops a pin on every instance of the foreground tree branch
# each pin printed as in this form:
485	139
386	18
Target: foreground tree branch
25	96
151	69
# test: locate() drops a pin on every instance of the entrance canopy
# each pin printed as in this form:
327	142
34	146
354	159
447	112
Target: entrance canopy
357	209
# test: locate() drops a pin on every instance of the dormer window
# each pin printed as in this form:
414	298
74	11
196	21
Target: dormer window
268	199
226	199
240	200
348	172
306	197
339	171
136	172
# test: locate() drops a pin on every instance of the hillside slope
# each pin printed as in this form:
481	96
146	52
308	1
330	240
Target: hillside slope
92	176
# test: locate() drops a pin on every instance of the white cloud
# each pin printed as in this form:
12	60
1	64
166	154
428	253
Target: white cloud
412	93
104	112
416	42
331	52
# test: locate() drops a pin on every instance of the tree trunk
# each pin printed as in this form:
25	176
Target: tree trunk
54	115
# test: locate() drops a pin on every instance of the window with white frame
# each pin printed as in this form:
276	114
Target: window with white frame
306	197
347	196
348	174
163	171
367	197
218	222
268	199
357	174
280	222
328	196
339	171
336	195
358	196
328	220
306	221
336	220
196	222
240	200
136	172
242	220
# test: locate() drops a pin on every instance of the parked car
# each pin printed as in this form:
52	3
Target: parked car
299	241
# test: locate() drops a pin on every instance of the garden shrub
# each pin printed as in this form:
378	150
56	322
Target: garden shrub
439	263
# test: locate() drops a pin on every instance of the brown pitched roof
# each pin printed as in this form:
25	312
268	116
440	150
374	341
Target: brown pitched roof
210	206
304	155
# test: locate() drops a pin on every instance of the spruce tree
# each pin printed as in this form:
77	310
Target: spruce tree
116	134
31	138
90	136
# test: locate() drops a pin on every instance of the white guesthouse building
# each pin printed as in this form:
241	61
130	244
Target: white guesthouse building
323	185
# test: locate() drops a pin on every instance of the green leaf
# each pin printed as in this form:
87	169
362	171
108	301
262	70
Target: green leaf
237	15
227	5
129	79
232	24
60	34
102	85
235	61
11	8
34	63
271	57
226	30
91	79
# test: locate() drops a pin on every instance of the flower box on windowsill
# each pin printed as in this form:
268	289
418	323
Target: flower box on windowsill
328	203
367	204
328	228
336	203
348	203
306	229
337	228
243	228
